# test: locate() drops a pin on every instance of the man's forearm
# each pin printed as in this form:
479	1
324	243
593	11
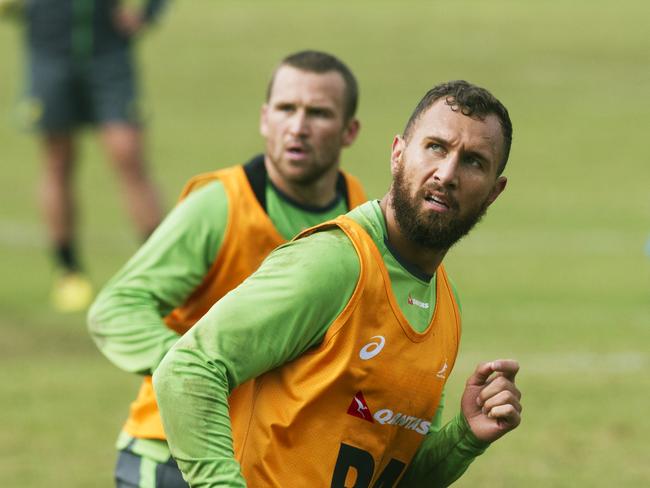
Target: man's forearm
129	331
126	320
192	395
444	455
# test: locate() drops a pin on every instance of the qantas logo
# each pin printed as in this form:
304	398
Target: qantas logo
386	416
417	303
359	408
373	348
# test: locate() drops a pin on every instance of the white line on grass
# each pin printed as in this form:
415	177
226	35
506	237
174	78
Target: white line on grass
21	234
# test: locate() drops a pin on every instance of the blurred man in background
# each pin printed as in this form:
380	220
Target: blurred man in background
227	222
326	367
81	71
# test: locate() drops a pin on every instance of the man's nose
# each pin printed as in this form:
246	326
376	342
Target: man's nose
298	124
446	173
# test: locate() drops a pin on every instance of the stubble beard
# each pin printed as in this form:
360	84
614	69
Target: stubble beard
311	171
429	230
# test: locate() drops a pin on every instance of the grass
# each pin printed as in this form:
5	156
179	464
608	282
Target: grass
556	276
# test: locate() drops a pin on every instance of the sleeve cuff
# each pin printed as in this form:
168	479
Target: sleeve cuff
469	443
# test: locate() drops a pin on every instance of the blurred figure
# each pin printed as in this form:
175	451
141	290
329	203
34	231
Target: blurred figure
227	223
81	71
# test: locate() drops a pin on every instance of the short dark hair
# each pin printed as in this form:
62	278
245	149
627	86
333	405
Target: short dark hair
320	62
470	100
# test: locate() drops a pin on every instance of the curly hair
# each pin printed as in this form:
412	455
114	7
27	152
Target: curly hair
470	100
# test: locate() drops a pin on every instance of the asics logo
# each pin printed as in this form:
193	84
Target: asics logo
373	348
442	374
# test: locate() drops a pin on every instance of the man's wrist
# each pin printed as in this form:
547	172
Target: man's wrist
468	439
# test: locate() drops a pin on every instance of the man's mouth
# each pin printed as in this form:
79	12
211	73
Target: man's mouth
297	151
437	198
439	201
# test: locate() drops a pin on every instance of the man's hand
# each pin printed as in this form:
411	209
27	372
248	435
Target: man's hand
490	401
127	21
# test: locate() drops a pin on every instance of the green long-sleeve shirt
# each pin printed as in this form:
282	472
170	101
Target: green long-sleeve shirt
126	319
277	314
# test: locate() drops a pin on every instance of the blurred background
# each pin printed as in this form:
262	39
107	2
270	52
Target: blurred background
557	275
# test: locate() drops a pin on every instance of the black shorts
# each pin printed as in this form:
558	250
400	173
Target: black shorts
134	471
63	94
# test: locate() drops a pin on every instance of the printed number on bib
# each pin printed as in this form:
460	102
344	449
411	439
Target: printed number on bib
353	461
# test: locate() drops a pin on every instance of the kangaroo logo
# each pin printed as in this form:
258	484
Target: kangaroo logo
359	408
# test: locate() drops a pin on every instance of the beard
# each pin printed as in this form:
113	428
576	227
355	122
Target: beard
306	172
430	230
302	174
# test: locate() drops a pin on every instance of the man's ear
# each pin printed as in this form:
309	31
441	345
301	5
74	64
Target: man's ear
263	120
396	153
351	132
498	188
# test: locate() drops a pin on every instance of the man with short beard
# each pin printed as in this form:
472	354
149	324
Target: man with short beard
348	334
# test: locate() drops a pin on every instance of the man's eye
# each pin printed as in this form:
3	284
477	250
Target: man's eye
317	112
286	108
434	147
474	162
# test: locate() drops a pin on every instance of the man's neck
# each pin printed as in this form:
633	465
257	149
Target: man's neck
316	194
424	259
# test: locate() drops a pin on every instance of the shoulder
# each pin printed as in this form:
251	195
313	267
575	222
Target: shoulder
207	204
327	256
201	180
212	191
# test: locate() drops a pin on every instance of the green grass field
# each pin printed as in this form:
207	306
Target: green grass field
556	276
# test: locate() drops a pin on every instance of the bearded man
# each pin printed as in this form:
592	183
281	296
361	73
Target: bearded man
326	367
